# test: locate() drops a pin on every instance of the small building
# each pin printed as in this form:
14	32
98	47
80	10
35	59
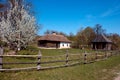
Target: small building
101	42
54	41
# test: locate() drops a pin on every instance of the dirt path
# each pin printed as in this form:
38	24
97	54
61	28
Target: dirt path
118	77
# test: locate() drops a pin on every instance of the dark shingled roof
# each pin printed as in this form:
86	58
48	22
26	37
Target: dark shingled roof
54	37
102	38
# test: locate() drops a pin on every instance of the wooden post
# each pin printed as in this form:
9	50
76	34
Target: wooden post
105	54
96	56
95	47
1	53
39	59
111	53
66	57
85	57
117	52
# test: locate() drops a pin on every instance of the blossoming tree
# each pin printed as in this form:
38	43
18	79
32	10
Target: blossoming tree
18	27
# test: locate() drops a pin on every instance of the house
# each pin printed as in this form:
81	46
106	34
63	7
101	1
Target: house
101	42
54	41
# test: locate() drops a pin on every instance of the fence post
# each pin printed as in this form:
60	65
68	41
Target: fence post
1	57
39	59
111	53
116	52
85	57
66	57
105	54
96	56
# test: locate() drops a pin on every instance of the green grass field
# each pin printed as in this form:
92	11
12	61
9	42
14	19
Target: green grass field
101	70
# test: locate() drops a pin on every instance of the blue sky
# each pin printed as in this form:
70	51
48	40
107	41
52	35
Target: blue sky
71	15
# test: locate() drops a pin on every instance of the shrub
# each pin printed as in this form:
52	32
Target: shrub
3	43
30	50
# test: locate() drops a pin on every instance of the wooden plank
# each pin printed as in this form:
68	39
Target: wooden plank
27	56
48	62
18	69
18	55
42	68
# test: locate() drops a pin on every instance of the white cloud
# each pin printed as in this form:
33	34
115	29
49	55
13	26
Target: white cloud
112	11
89	17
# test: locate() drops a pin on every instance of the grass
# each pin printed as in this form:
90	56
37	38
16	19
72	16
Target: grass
45	52
102	70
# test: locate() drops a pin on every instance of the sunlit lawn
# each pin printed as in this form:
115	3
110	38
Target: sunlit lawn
101	70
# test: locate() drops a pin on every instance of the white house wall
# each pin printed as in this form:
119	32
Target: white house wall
64	45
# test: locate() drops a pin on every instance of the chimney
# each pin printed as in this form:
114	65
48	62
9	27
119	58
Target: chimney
54	33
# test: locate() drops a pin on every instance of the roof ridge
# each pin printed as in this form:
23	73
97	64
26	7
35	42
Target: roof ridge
106	38
55	37
101	38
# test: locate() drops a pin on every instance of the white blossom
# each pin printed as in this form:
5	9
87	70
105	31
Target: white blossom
18	26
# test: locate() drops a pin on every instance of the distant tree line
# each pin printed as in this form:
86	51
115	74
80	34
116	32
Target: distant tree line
53	31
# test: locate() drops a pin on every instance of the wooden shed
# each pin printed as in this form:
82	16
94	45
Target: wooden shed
101	42
54	41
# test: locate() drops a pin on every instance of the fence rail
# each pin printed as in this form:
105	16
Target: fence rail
84	58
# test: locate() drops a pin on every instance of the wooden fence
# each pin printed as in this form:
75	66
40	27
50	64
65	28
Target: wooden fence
84	58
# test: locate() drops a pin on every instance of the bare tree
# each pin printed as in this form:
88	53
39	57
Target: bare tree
98	29
18	27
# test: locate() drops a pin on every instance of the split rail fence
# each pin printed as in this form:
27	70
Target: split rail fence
66	60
